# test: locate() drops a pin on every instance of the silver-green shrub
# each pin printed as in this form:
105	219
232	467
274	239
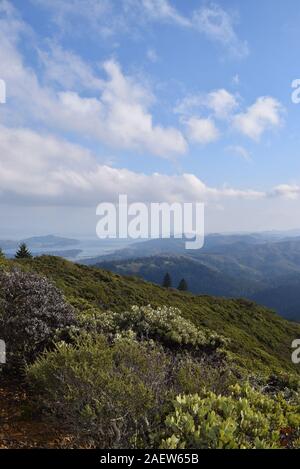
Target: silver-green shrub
165	324
32	313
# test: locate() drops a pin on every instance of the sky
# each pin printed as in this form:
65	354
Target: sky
163	100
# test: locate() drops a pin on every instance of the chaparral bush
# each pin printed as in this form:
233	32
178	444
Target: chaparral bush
245	418
110	394
164	324
32	313
193	375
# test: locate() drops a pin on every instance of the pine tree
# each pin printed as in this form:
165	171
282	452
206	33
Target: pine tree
23	252
183	286
2	255
167	282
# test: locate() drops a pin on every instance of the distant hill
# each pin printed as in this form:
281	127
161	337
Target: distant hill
69	248
40	242
200	278
49	241
55	245
284	298
176	246
258	267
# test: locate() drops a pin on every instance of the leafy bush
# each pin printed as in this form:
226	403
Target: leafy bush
164	324
244	419
285	383
193	375
109	394
32	313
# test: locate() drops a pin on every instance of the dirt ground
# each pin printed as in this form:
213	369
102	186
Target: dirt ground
18	429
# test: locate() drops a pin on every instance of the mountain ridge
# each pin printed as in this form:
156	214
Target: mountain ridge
235	266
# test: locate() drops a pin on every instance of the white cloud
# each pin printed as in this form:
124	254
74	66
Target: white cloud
220	102
218	25
264	114
118	115
66	174
125	112
68	69
240	151
106	18
163	10
46	156
94	16
189	104
202	130
288	191
211	20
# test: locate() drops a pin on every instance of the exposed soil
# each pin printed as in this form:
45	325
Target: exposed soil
19	429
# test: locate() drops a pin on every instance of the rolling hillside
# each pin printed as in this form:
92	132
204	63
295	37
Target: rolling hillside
73	372
259	339
266	270
201	279
284	298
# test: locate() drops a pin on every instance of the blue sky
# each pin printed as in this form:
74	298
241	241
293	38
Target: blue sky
166	100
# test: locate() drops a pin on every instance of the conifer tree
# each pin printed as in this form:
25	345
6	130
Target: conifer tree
23	252
183	286
167	282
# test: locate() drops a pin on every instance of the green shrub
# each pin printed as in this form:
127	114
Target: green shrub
283	382
193	375
244	419
110	394
164	324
